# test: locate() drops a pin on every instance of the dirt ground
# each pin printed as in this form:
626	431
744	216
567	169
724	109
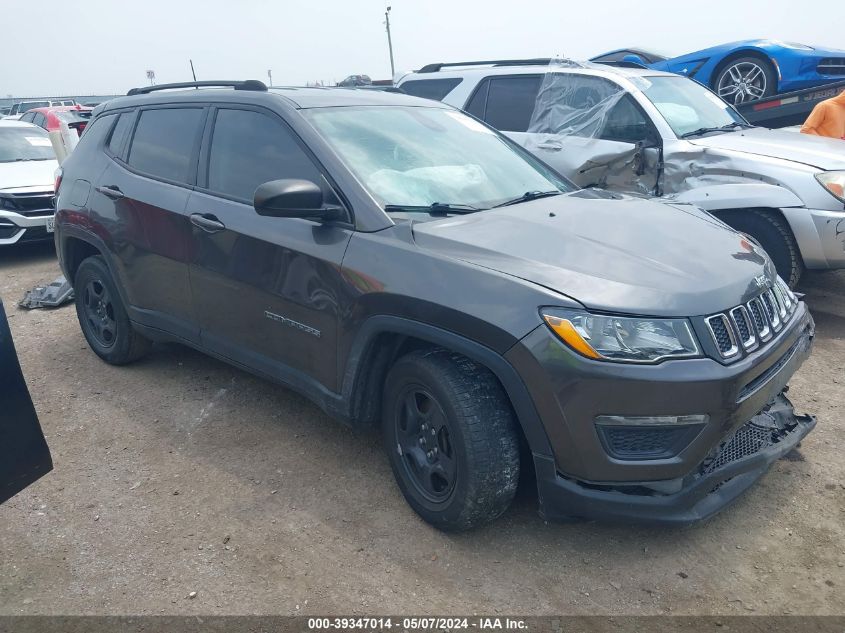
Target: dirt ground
180	474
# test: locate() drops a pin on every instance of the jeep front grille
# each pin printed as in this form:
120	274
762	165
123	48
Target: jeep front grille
753	324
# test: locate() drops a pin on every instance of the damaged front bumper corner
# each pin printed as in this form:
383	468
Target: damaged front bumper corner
728	471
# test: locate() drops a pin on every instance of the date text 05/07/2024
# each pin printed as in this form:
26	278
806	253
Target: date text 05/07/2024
416	623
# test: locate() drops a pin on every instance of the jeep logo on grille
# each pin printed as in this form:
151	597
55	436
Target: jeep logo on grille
760	280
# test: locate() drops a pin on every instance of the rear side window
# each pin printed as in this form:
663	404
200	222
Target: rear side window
506	103
164	141
248	149
119	133
510	102
430	88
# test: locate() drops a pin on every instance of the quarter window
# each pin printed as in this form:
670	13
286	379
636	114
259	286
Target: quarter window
248	149
430	88
164	142
118	135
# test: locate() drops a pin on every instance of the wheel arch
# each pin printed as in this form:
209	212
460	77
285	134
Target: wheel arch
739	196
76	244
383	339
745	52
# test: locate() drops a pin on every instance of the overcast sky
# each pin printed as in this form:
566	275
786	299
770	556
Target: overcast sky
105	46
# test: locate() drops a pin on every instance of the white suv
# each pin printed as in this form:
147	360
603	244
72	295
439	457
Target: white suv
646	132
27	167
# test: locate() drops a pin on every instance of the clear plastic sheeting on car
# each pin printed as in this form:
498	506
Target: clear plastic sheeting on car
589	128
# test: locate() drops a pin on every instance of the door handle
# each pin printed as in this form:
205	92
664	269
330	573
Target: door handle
207	222
555	147
111	191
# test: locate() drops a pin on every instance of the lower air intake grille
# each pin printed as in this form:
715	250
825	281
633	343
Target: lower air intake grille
625	442
748	440
831	66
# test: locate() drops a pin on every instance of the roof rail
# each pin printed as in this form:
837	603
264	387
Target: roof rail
539	61
249	84
623	64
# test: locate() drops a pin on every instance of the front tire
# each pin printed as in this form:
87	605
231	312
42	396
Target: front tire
775	237
451	438
102	315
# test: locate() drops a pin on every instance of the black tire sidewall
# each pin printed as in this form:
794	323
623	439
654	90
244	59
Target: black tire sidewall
403	375
95	269
776	239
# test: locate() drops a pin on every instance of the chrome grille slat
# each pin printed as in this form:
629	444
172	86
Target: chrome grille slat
752	325
723	335
780	301
760	320
771	305
742	321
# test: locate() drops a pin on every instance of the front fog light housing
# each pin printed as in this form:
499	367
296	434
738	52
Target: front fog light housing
622	339
834	182
652	420
641	437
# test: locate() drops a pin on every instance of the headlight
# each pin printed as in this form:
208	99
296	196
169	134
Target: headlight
622	339
834	182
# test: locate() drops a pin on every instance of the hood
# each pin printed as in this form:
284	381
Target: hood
815	151
628	255
39	174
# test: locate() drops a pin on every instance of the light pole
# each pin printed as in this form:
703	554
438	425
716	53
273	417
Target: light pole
389	41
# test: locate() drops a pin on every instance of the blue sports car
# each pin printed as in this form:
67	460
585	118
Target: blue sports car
749	70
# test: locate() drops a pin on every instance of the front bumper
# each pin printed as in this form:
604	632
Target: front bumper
583	476
728	471
830	226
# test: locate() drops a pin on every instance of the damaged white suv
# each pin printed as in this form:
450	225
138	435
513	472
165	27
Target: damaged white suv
646	132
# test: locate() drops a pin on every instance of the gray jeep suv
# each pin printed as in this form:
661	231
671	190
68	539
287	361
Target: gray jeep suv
402	264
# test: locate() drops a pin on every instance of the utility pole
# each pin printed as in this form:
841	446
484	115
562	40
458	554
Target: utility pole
270	76
389	41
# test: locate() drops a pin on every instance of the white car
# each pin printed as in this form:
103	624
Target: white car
646	132
27	171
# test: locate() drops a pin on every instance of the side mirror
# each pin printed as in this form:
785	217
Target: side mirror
293	198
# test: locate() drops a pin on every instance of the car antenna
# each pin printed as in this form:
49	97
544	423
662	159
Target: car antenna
192	71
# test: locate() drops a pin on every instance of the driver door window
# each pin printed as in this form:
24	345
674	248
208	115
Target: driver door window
626	123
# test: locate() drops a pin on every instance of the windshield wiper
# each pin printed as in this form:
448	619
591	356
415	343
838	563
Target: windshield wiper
435	207
529	195
724	128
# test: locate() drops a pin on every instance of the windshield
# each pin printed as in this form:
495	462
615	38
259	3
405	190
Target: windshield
416	156
686	105
24	143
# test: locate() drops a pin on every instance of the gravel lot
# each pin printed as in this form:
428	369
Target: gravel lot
180	474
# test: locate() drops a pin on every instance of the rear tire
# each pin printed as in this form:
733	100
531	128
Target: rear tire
102	315
774	235
451	438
